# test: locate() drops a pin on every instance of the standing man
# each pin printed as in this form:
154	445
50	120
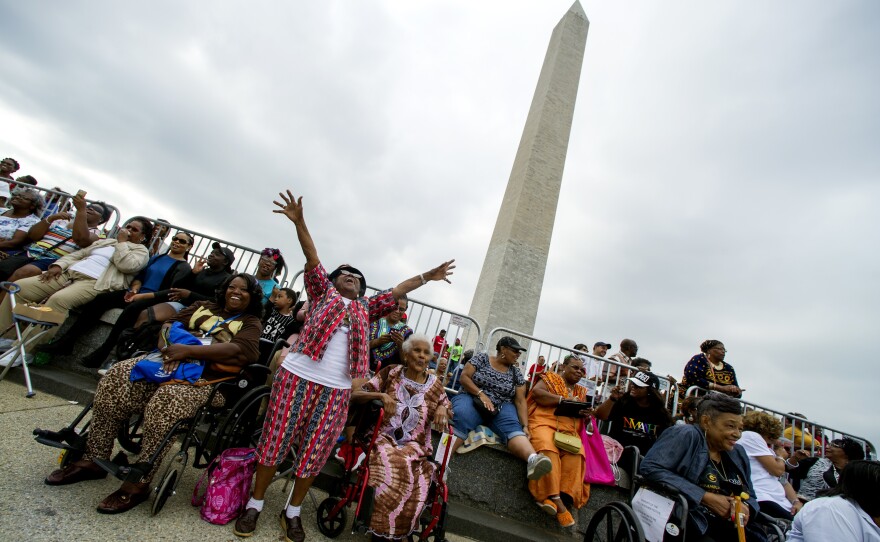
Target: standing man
537	369
455	352
628	350
439	347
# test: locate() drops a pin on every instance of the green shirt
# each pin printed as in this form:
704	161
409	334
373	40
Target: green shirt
456	352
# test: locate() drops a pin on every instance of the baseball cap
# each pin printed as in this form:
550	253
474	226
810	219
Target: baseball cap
230	257
644	380
509	342
600	343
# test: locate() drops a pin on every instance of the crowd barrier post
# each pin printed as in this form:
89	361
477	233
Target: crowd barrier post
599	379
819	435
57	201
246	259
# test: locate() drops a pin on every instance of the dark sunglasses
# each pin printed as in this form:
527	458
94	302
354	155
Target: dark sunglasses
181	240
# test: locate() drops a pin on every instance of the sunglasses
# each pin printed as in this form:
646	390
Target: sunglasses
345	273
181	240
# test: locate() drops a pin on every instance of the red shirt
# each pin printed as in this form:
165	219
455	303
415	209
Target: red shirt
536	369
439	343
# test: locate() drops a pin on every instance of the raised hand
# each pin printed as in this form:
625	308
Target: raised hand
291	208
441	272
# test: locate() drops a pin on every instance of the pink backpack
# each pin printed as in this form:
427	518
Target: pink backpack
228	487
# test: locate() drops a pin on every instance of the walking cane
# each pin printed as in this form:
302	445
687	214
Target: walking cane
740	516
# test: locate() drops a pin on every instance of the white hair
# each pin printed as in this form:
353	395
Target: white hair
412	339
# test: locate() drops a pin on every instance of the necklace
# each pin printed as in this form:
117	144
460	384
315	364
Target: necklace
716	466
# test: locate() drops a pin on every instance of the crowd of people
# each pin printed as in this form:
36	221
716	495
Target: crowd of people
348	348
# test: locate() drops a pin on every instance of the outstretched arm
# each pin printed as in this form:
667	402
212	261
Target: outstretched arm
292	208
441	272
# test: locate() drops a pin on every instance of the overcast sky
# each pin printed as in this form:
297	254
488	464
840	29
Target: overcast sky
721	182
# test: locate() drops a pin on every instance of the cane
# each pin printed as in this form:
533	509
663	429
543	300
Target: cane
740	517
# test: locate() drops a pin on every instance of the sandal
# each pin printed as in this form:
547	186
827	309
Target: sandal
547	506
125	498
565	519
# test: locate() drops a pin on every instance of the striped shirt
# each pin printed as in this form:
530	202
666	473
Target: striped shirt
327	312
57	233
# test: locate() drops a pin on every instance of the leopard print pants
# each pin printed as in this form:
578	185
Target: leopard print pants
118	398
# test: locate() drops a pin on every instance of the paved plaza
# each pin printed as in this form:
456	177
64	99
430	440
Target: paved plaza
31	510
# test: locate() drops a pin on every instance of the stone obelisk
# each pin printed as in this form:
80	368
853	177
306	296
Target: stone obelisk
509	288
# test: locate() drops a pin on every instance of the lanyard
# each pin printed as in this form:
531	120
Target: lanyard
219	323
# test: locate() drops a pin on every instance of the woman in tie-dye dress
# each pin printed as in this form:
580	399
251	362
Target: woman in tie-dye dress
400	470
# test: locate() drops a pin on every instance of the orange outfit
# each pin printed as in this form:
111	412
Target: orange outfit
567	475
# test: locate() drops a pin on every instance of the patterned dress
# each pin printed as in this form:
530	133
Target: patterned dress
400	472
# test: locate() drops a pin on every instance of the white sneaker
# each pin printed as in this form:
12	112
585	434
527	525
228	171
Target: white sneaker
6	344
7	357
539	465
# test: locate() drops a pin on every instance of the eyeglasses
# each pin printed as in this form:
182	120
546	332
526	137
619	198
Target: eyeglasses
345	273
181	240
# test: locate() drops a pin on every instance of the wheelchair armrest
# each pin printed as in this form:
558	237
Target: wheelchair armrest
255	372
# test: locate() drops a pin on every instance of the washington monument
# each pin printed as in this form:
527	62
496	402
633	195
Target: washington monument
509	288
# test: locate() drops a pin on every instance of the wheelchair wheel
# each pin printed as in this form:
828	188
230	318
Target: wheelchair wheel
243	426
168	486
330	527
614	522
130	435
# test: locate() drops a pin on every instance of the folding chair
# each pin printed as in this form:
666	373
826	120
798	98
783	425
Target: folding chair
17	321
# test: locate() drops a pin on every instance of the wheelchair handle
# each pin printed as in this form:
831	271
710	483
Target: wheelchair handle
10	287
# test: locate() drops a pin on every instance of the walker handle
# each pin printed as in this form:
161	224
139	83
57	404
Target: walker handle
10	287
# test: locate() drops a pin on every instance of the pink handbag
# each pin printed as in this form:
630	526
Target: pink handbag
228	488
598	467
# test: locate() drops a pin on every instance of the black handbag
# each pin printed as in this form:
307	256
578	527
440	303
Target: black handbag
482	410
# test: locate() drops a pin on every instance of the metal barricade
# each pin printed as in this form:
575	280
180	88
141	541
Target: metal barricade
798	429
603	374
246	259
58	201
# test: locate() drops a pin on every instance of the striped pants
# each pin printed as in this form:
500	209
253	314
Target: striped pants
306	416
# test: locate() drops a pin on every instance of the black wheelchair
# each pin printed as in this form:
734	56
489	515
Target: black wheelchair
617	521
346	483
211	431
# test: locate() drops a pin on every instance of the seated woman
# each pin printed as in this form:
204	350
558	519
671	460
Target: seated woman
234	326
639	416
709	468
567	474
709	371
495	396
400	468
162	272
387	336
74	280
54	237
850	511
819	474
196	284
760	433
26	207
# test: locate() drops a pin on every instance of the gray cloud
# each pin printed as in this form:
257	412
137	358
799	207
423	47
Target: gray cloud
721	178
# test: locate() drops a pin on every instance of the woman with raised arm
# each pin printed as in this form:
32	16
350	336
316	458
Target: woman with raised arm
312	388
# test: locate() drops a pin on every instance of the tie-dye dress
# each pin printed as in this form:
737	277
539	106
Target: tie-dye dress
400	472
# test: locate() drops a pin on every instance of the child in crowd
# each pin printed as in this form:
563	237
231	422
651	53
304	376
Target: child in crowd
280	320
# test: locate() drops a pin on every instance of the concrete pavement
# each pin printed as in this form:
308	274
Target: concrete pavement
31	510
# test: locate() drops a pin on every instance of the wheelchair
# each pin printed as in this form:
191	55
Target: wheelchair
617	521
211	431
347	483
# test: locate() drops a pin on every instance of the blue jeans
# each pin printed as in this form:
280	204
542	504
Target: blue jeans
505	424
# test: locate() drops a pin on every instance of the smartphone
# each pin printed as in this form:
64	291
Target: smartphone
81	193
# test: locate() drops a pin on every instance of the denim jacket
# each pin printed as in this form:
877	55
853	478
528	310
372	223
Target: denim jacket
677	460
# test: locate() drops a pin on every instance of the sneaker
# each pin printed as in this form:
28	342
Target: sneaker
539	465
246	523
106	367
7	357
6	344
